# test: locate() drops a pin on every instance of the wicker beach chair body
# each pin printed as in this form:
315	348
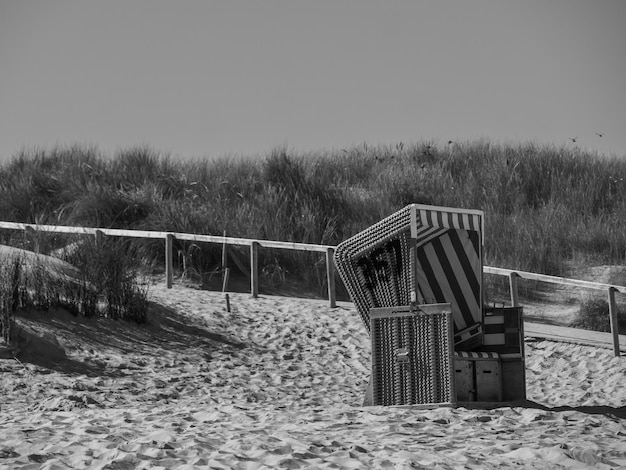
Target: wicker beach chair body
420	254
412	356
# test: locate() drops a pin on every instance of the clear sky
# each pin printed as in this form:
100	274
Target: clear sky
212	78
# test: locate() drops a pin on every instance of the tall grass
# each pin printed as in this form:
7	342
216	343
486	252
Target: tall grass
545	205
109	284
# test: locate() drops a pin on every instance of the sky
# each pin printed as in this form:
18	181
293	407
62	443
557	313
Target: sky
205	79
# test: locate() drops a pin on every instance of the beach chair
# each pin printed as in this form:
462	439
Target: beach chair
424	256
419	256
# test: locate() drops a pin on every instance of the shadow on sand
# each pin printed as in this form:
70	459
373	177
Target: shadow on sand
48	338
610	411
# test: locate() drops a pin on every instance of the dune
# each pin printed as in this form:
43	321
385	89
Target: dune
29	259
278	383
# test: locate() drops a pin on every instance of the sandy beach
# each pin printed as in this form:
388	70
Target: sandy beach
277	383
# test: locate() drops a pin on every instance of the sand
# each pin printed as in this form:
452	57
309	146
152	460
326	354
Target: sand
55	267
278	383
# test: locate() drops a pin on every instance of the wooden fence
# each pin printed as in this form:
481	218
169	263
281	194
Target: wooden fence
169	238
608	288
328	250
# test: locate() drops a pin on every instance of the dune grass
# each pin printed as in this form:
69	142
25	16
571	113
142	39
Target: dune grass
593	314
545	205
109	284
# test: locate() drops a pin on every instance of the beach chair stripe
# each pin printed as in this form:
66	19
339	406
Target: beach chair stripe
425	234
449	271
503	329
494	330
468	337
444	218
476	355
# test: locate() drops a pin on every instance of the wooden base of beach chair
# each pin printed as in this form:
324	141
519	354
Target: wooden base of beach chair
496	372
513	378
478	377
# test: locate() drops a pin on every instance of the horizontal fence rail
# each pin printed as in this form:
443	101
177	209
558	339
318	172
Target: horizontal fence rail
169	237
114	232
254	246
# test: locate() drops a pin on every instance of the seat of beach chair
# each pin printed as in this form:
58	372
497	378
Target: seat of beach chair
496	371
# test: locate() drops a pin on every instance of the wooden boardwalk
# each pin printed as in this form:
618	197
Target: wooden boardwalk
572	335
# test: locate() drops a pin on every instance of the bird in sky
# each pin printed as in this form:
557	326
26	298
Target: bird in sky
599	134
573	139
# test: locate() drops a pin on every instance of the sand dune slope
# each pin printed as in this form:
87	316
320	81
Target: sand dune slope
278	383
54	266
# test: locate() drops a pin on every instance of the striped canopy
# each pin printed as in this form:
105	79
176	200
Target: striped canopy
449	260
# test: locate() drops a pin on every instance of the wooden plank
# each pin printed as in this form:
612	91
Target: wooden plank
179	236
249	241
513	288
225	281
99	238
488	380
224	253
614	321
254	269
169	261
513	380
572	335
330	276
47	228
464	379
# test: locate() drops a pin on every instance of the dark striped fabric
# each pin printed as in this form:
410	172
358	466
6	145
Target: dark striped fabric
476	355
450	218
469	338
449	269
503	329
449	260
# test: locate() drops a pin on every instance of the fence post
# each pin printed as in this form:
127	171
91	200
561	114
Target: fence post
99	238
224	253
254	269
513	288
614	322
169	260
330	276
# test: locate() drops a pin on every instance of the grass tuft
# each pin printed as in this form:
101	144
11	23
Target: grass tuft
108	285
594	315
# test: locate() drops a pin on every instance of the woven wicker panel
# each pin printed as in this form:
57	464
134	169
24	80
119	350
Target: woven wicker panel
412	355
374	264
